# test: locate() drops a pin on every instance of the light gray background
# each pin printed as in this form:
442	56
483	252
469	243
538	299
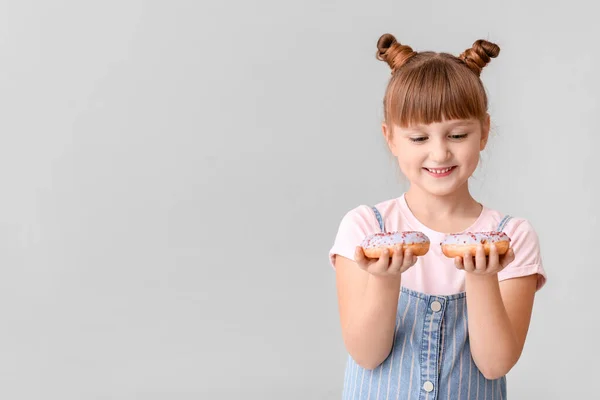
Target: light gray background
174	172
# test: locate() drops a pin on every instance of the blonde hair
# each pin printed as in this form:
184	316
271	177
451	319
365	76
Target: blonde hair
428	87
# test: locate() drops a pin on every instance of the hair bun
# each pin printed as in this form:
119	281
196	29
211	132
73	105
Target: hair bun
392	52
479	55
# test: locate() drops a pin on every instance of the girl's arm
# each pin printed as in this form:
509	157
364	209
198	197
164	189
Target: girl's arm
499	315
367	305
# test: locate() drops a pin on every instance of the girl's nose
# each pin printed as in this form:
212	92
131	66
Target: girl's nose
440	153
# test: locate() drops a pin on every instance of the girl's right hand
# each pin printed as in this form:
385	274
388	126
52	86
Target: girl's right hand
384	265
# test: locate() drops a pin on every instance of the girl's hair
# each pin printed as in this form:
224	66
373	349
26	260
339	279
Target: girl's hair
428	87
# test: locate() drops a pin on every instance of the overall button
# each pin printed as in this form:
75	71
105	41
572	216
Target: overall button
428	386
436	306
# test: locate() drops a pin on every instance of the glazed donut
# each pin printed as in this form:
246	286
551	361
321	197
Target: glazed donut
373	244
457	244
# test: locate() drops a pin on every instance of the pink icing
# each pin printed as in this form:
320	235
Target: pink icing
392	238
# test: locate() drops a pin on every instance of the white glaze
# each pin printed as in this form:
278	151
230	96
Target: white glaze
475	238
393	238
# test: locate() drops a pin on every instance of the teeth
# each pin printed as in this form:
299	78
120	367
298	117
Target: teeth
439	171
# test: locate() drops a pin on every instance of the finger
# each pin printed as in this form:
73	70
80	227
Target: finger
507	258
493	262
397	260
359	255
468	264
409	259
382	264
361	258
458	263
480	259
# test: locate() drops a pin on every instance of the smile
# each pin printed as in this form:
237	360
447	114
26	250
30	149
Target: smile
439	172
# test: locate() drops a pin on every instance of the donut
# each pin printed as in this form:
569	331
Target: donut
457	244
374	244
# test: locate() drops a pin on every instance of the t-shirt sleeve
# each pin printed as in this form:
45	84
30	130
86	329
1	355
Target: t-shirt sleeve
354	226
528	258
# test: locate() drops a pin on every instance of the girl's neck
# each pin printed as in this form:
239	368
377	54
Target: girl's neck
450	213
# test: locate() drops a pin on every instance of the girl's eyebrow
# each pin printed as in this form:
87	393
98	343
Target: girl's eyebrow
463	123
452	124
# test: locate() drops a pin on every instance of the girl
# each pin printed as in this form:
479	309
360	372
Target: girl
433	327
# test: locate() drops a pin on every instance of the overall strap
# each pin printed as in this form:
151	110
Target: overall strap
503	223
378	215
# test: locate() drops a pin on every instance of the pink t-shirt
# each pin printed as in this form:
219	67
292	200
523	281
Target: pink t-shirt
435	273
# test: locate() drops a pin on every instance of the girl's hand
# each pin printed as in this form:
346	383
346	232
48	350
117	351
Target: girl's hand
485	265
385	266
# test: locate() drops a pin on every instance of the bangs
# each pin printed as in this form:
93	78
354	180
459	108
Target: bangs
436	90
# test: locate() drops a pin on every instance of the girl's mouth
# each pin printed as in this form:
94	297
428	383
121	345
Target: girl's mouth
440	172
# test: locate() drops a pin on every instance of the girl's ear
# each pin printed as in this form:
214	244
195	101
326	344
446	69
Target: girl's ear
388	136
485	132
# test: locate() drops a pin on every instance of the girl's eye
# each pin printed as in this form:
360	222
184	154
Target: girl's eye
422	139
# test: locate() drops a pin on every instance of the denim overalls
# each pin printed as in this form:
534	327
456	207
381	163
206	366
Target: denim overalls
430	357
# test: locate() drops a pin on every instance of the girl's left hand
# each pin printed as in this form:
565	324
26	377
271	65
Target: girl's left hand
482	265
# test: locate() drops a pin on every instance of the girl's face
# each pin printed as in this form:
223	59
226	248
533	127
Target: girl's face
440	157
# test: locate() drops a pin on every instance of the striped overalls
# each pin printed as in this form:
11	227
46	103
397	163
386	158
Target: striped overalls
430	358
